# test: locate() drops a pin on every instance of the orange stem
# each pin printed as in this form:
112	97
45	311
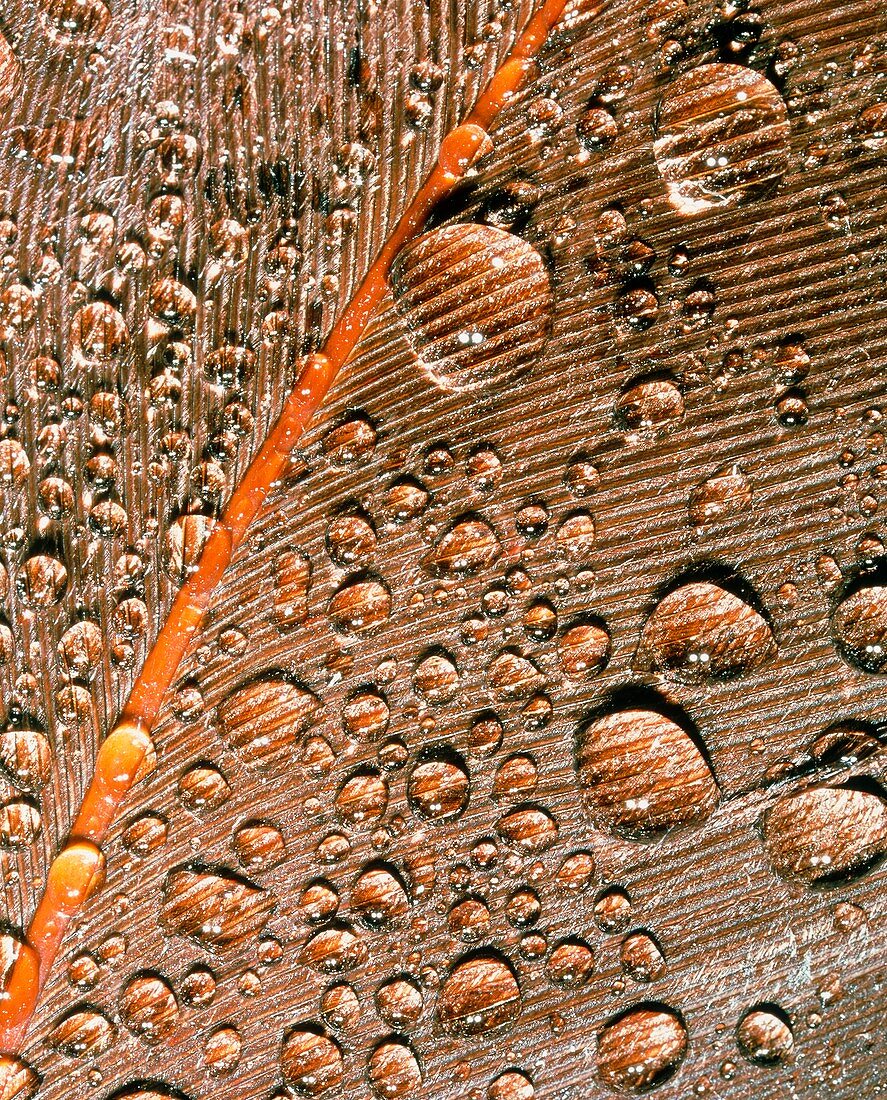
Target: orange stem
128	751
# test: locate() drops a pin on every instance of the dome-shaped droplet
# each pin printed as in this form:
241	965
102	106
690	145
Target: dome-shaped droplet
764	1035
859	624
641	774
468	547
438	786
394	1070
722	135
214	907
641	1048
264	721
701	630
476	301
311	1061
481	993
824	833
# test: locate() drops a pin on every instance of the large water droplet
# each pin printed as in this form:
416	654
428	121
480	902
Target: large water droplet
264	721
481	993
642	774
214	907
641	1048
476	301
722	135
701	630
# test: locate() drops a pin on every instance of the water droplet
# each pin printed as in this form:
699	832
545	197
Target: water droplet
311	1061
650	403
361	604
700	630
264	721
641	957
480	994
476	301
641	1048
352	441
438	785
722	136
764	1035
825	834
583	649
259	846
570	964
84	1032
859	624
726	493
363	798
513	676
20	823
528	828
436	677
26	758
222	1050
641	774
148	1007
379	896
292	580
213	906
334	949
511	1085
394	1070
468	547
516	777
399	1003
351	538
203	788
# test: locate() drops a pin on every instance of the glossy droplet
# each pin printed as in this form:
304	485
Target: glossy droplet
311	1061
515	777
722	136
25	758
476	302
469	919
641	957
199	987
18	1080
264	721
84	1032
570	964
351	539
436	677
42	581
726	493
764	1035
481	993
511	1085
583	649
334	950
399	1003
365	716
292	580
824	834
701	630
576	873
576	536
222	1050
214	907
859	624
513	676
20	823
360	605
468	547
641	774
439	785
203	788
184	544
394	1070
650	403
363	798
528	828
259	846
352	441
641	1048
98	333
148	1007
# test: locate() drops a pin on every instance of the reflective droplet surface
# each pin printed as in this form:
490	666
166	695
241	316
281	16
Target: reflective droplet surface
859	623
213	906
764	1035
641	774
481	993
701	630
394	1070
264	721
311	1061
722	135
641	1048
825	834
476	301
